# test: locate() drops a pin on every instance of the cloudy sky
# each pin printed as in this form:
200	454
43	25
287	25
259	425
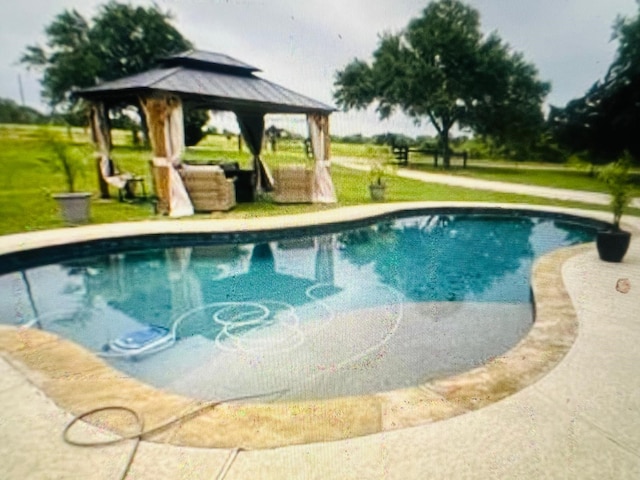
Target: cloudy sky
301	43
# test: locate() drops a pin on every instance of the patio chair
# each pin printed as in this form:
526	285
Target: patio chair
208	187
124	182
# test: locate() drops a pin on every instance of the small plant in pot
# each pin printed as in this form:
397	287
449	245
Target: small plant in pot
378	181
613	244
74	206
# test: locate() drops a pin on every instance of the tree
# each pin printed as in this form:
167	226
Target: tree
393	140
603	123
194	121
120	40
441	68
11	112
431	275
508	108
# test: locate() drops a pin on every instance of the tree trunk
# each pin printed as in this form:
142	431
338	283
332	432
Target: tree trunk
446	154
443	136
144	129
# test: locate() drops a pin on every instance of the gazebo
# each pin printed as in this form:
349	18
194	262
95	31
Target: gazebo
210	81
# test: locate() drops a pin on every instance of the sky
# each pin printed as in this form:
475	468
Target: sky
300	44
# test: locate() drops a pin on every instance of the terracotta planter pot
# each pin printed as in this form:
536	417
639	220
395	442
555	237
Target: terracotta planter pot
612	245
75	207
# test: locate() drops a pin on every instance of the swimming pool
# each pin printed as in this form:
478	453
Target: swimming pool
353	309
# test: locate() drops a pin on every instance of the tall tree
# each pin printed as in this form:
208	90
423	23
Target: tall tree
443	69
120	40
604	122
194	121
130	39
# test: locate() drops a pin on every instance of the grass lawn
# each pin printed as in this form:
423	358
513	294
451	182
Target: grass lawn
27	182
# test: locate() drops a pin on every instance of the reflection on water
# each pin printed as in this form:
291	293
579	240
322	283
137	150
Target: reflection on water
404	297
445	258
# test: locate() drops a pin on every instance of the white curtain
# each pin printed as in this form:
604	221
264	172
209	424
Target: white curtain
174	131
102	139
166	132
179	202
323	191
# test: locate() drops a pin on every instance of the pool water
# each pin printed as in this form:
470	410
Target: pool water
380	307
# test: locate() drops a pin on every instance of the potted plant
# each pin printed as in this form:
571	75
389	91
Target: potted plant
612	244
74	206
378	181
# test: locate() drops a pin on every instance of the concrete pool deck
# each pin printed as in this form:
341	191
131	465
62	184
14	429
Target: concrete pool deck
581	420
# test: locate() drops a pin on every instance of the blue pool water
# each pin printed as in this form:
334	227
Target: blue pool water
372	308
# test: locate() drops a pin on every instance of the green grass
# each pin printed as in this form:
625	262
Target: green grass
351	190
27	182
552	177
378	152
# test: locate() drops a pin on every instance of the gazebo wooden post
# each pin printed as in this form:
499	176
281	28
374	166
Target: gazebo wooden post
155	115
327	141
101	136
165	124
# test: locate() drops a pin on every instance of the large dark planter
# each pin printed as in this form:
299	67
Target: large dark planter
613	244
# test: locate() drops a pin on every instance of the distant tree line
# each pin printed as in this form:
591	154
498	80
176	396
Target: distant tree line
11	112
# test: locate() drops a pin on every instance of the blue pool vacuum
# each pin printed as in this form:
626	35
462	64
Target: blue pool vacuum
141	342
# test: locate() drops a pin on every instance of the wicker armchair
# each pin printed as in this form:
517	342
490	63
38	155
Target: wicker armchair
208	188
293	184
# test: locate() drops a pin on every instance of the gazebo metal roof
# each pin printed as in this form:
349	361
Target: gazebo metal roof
207	59
211	80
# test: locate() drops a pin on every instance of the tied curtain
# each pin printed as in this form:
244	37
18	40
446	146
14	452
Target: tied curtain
252	130
166	133
101	134
166	127
323	191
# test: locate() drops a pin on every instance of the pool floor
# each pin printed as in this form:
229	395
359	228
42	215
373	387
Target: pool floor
397	346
